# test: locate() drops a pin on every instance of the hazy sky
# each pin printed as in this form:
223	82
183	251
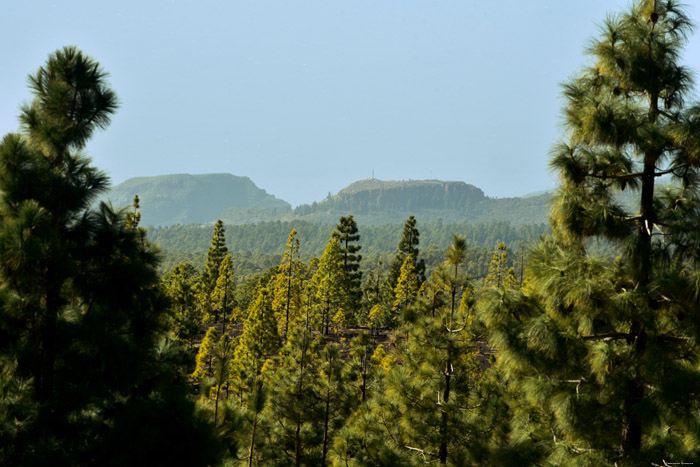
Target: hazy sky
307	96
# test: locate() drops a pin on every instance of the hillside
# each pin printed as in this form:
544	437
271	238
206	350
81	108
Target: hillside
376	202
185	199
201	199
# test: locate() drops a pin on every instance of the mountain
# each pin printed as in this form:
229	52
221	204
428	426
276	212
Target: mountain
185	199
201	199
376	202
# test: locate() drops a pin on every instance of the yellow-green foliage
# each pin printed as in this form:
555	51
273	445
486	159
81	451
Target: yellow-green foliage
222	296
339	322
381	359
288	288
406	286
328	284
376	316
204	354
499	272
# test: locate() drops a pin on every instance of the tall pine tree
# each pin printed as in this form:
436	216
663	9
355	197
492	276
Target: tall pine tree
602	355
288	286
215	255
408	246
328	284
83	320
349	248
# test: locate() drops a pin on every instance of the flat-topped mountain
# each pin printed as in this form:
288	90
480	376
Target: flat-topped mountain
185	199
376	202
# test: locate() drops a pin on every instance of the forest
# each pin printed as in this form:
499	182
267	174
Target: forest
295	343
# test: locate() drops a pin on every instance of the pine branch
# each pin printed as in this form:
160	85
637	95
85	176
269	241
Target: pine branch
422	453
606	337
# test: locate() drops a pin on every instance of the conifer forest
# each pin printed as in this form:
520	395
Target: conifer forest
575	343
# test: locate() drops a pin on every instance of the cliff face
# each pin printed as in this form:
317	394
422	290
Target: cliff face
371	195
184	199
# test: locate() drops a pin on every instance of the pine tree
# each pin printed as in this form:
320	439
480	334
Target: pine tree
288	286
259	341
361	365
328	284
349	236
205	356
376	318
499	272
133	218
222	297
600	354
212	365
408	246
374	286
216	254
180	286
426	401
294	413
406	286
337	403
82	321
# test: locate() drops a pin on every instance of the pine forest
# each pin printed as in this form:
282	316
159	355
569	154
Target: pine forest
293	342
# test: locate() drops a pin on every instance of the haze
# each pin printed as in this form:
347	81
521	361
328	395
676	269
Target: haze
307	97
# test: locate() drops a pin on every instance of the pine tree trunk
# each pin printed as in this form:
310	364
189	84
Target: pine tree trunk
297	434
252	441
442	454
325	419
216	402
223	307
632	426
220	382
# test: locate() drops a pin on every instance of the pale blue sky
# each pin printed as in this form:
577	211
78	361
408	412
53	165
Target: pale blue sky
307	96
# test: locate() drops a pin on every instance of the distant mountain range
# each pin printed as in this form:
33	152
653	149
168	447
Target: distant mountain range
185	199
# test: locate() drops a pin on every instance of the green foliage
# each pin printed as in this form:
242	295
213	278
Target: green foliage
406	286
259	341
288	286
347	232
598	355
215	256
408	246
223	295
83	321
377	202
184	198
180	285
500	274
328	285
203	361
294	413
424	410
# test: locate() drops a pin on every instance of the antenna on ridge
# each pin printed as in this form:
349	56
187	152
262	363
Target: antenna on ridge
372	174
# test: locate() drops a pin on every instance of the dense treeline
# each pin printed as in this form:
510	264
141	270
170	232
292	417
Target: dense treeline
391	205
374	195
269	237
570	358
259	246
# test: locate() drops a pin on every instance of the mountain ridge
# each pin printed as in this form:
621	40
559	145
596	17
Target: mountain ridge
185	198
